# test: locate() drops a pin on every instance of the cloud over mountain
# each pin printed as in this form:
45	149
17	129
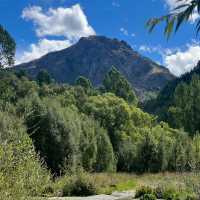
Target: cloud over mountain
68	23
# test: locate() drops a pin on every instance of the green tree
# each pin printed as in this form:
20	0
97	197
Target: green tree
116	83
184	111
21	73
7	48
178	160
43	77
105	159
147	153
55	132
84	82
112	112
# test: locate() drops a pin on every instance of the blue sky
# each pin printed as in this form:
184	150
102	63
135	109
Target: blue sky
40	26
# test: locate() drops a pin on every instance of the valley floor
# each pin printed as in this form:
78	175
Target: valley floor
111	186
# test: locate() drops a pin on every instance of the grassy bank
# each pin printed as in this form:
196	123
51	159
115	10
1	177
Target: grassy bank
106	183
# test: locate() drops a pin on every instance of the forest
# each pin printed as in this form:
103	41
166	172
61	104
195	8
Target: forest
50	129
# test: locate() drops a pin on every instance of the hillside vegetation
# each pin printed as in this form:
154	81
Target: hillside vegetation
178	102
50	130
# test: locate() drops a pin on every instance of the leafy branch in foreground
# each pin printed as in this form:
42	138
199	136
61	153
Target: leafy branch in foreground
182	13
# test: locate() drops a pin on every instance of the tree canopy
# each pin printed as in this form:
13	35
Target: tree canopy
116	83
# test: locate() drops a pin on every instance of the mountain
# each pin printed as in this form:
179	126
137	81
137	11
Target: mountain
93	57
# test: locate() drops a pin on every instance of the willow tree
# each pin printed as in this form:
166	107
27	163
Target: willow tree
179	15
7	48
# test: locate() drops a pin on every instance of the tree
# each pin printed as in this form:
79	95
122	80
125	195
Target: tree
84	82
105	159
147	153
182	13
184	111
116	83
55	132
43	77
7	48
112	112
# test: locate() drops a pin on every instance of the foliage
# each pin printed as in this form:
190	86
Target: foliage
148	197
116	83
43	77
180	103
171	194
79	185
143	191
181	14
7	48
21	173
85	83
69	127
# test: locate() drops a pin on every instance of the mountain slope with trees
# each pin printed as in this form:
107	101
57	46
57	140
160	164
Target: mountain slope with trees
93	58
178	102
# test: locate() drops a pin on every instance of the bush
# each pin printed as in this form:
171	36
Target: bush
79	185
158	192
82	187
142	191
21	173
48	190
148	197
171	194
191	197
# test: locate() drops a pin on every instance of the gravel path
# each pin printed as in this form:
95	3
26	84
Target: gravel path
129	195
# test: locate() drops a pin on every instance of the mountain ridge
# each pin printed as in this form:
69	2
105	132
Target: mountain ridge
93	57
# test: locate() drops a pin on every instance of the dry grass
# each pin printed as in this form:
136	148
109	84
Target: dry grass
106	183
182	182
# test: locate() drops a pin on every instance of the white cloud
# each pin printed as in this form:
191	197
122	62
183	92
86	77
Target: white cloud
69	22
172	4
43	47
124	31
183	60
177	60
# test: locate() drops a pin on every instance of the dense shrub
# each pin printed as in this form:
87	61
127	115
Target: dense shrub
171	194
148	197
140	192
79	185
21	173
191	197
